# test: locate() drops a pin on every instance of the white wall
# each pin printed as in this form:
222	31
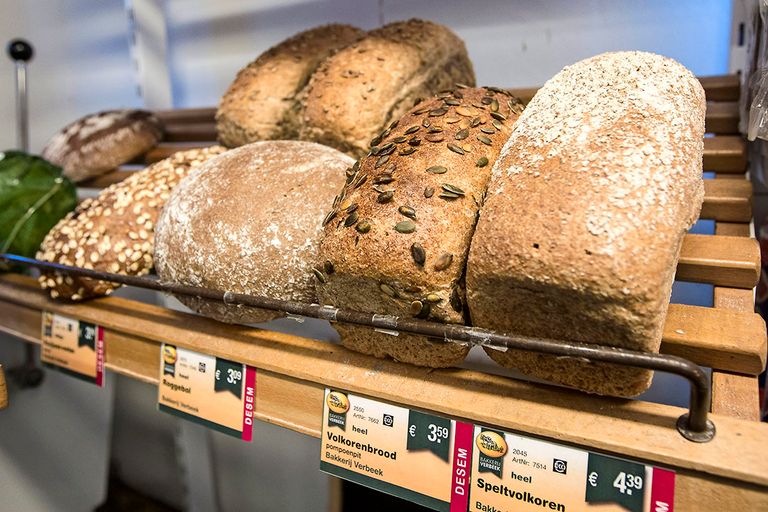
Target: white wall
513	43
82	63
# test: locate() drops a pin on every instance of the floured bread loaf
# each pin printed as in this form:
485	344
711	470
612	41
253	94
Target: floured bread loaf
398	235
115	231
250	222
357	92
585	214
259	104
98	143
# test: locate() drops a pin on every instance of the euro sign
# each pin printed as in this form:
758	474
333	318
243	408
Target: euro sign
412	430
593	479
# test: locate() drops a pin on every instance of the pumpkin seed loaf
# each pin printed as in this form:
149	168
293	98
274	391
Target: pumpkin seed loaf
115	231
97	143
581	230
358	91
249	222
397	236
259	104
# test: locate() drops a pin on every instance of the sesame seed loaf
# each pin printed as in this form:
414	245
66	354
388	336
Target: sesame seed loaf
585	214
398	234
98	143
362	88
259	104
115	231
249	222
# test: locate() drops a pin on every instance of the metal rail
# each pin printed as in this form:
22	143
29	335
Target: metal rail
694	426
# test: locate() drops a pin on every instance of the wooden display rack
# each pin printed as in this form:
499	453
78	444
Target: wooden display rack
728	473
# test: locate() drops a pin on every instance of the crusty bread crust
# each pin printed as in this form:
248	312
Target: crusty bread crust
115	232
259	104
364	87
589	201
250	222
395	251
98	143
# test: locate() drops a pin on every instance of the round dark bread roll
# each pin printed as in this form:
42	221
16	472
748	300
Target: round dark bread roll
249	221
259	104
115	231
97	143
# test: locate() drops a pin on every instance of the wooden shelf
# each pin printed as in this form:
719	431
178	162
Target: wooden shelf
293	371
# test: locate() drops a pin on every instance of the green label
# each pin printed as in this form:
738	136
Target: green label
228	377
427	432
86	335
612	480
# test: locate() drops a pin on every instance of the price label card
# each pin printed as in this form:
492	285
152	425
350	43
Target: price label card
211	391
416	456
73	347
520	474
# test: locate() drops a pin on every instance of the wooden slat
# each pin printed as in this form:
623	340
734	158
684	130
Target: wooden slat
721	88
719	260
732	229
735	394
3	390
716	338
727	200
293	371
716	88
190	132
725	154
187	115
722	117
110	178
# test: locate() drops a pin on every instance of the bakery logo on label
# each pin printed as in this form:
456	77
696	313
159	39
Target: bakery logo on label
492	448
338	405
169	360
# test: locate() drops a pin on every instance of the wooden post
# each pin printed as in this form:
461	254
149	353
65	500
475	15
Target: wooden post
3	390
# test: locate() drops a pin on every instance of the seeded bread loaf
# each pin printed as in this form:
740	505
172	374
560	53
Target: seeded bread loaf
259	104
98	143
398	235
249	222
115	231
361	89
585	214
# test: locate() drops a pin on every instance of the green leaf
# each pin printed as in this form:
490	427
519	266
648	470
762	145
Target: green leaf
34	196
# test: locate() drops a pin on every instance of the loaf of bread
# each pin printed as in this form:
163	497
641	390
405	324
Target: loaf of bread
581	229
259	104
115	231
98	143
249	222
357	92
398	234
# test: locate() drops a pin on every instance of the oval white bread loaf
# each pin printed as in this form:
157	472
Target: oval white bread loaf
398	235
97	143
585	214
259	104
361	89
115	231
250	222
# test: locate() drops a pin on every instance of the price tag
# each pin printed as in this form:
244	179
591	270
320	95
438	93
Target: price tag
214	392
515	473
416	456
73	347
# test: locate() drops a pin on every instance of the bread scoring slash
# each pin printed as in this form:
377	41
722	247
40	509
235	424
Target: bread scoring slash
581	229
